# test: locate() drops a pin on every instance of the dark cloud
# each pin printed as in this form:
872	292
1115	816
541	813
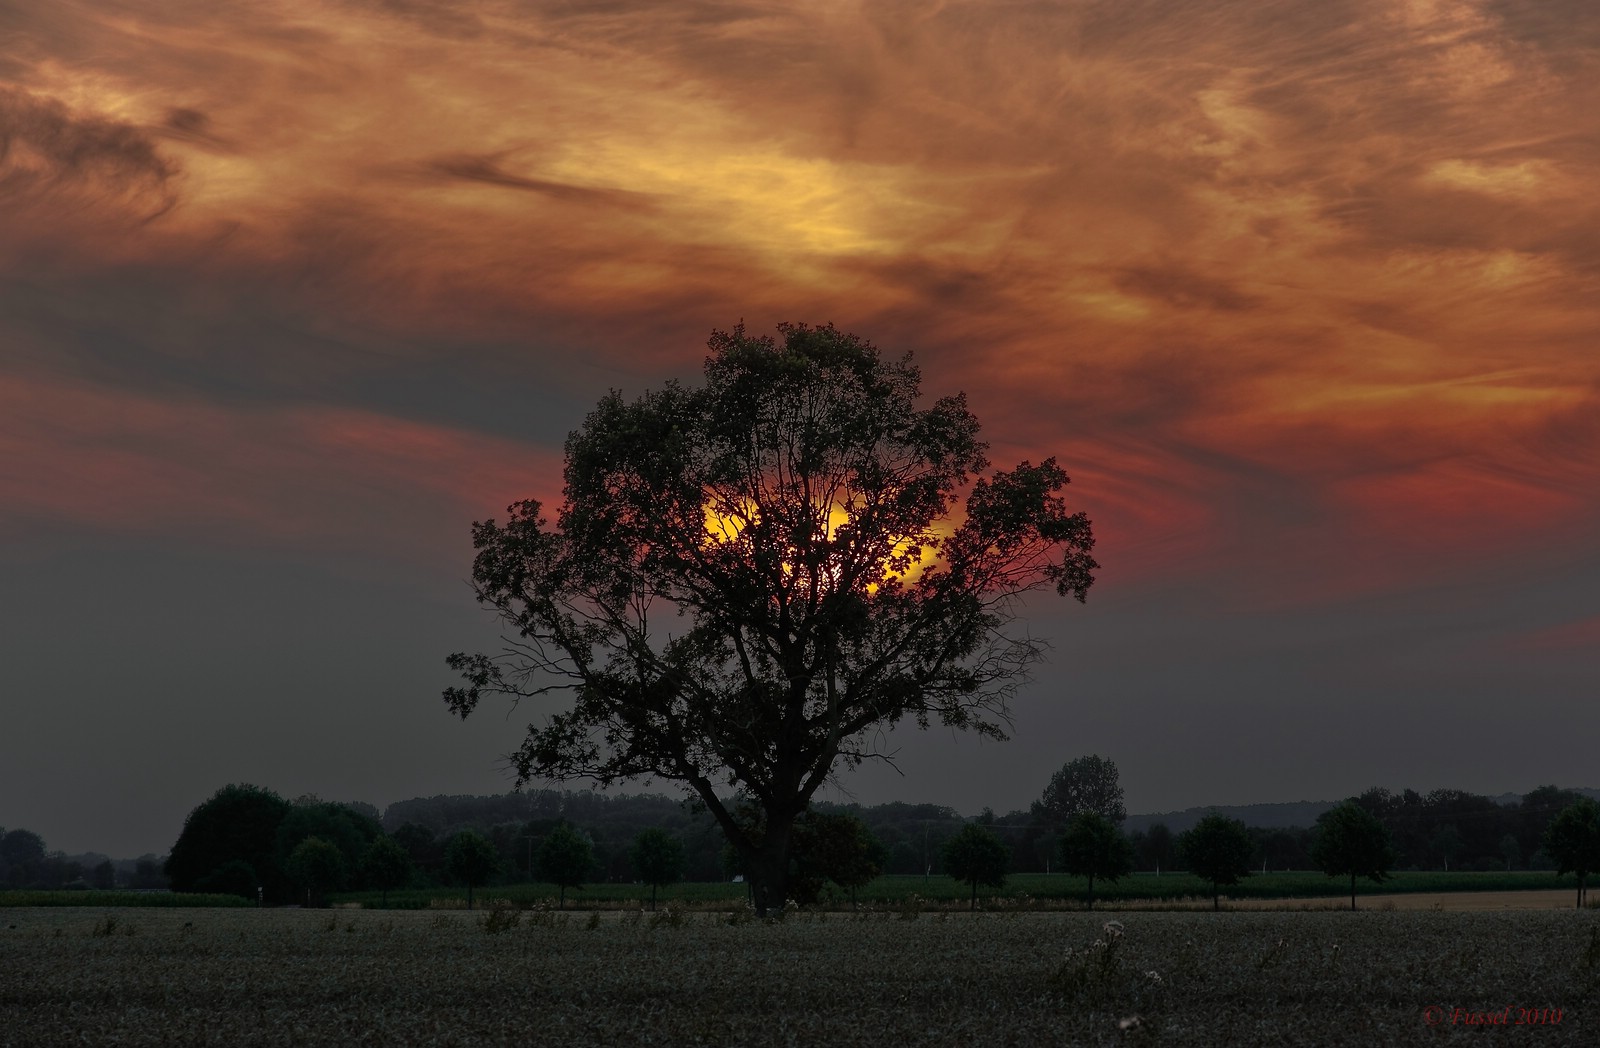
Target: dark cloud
487	170
45	147
1184	288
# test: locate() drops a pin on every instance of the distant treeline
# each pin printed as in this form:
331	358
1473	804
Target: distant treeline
1443	829
26	863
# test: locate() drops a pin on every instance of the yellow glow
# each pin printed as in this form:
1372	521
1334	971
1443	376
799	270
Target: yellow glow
1495	179
727	522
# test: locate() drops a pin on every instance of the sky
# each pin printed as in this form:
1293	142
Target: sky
1304	297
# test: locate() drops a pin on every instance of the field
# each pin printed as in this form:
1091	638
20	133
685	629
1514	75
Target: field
1034	890
533	977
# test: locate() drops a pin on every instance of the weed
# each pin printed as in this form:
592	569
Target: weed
500	916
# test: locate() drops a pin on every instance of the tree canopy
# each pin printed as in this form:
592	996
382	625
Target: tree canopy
1351	841
237	824
657	859
1088	784
566	857
1573	840
976	856
1217	848
749	580
469	857
1093	847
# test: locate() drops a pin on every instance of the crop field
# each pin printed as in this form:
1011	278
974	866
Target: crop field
1033	890
174	977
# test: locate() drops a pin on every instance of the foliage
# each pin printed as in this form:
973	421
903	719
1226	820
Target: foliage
1217	849
239	822
1351	841
385	866
566	858
316	867
794	510
1093	847
1088	784
1573	841
657	858
835	847
976	856
234	877
22	852
470	859
340	825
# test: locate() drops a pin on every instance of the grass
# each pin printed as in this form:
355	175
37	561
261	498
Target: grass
315	978
1028	890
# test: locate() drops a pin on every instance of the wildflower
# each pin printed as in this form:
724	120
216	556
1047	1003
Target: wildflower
1113	929
1154	976
1132	1022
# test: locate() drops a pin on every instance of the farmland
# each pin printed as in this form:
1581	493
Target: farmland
334	977
1029	890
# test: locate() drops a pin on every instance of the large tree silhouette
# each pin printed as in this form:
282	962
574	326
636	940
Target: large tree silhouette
749	580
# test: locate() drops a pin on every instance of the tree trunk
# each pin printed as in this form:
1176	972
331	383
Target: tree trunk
1091	891
973	907
1352	891
469	895
652	898
561	900
1216	896
769	869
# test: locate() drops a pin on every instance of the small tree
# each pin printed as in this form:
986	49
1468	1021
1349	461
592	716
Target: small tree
565	858
1510	850
835	847
1157	849
470	857
1094	847
1217	849
1448	843
316	867
1351	840
657	859
386	865
976	856
1086	784
1573	840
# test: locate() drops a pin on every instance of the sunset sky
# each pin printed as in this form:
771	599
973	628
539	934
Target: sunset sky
1304	296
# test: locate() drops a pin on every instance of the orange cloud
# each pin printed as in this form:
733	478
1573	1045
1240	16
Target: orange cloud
1347	251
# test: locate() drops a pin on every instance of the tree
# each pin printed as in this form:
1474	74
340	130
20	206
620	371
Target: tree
795	518
21	854
1448	843
976	856
240	822
385	865
1573	840
1094	847
1350	840
1510	850
657	859
317	867
470	857
1217	849
835	847
565	859
234	877
1086	784
1156	848
342	826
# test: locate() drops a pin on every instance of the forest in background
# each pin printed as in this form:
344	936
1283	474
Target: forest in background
1443	829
